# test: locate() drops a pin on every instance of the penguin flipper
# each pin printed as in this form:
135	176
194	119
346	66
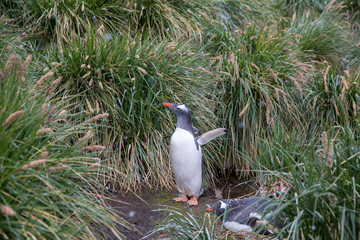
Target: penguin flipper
208	136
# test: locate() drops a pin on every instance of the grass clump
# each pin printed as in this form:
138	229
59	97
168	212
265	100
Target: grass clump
47	183
323	36
60	19
334	98
258	86
129	80
179	225
319	176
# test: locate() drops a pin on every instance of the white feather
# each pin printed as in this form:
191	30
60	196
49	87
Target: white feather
223	205
255	215
183	107
235	226
186	162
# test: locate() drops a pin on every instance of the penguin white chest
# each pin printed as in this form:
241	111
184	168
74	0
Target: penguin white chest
186	162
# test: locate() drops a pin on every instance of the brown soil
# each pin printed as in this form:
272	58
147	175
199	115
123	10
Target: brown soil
140	209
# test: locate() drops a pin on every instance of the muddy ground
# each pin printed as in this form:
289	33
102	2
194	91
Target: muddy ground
140	209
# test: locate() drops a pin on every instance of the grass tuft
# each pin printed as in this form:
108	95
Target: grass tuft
46	188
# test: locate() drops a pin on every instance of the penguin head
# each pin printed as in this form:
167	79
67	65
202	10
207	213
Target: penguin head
178	109
218	208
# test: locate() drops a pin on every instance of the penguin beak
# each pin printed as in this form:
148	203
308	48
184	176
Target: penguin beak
170	105
209	210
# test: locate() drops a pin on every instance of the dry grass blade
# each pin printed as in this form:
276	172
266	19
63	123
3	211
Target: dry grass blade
89	106
86	136
55	64
328	149
43	155
224	73
300	77
297	85
12	118
51	114
7	211
97	117
32	164
9	63
94	148
142	70
94	166
255	66
22	70
101	85
58	168
53	86
336	108
43	78
354	108
86	75
44	131
244	110
325	82
205	71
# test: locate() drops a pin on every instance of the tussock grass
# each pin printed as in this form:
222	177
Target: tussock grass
323	36
11	37
258	86
179	225
277	74
301	6
59	20
47	189
334	98
129	80
319	174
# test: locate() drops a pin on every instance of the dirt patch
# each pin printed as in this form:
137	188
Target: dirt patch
140	209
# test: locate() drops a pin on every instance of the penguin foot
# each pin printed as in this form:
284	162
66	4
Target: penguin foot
193	201
182	198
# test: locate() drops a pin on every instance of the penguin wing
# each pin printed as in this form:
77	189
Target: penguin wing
208	136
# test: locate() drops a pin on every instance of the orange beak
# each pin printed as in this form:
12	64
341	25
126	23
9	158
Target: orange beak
209	210
170	105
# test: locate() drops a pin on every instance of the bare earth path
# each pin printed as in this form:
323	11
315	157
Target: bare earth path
140	209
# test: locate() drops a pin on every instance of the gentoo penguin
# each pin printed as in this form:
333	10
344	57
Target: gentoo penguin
248	214
185	154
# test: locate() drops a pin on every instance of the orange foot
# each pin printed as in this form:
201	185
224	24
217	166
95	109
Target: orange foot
193	201
183	198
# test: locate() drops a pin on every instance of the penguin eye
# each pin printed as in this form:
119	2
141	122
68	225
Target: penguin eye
177	108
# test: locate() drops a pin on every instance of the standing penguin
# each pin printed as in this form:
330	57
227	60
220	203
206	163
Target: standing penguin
185	154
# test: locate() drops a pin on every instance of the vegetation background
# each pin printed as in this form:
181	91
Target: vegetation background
81	86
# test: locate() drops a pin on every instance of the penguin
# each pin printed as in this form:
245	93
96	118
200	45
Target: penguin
186	156
249	214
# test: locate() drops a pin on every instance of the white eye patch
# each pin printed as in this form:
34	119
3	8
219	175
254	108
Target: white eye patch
222	205
183	107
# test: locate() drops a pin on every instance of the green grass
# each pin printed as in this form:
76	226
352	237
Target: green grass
47	178
179	225
130	80
334	98
321	180
258	86
277	74
323	36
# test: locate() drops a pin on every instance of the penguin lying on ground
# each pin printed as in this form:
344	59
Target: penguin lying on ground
185	154
248	214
